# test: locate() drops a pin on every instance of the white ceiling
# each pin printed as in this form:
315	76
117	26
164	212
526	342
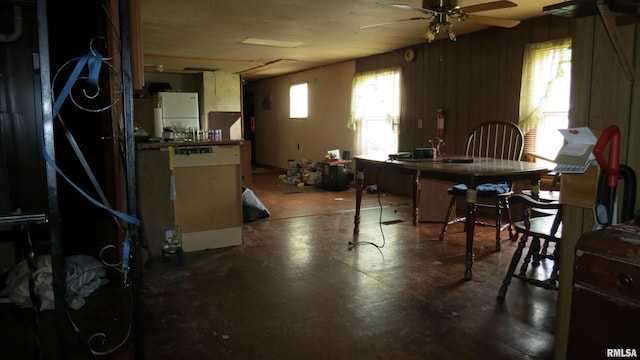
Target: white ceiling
206	34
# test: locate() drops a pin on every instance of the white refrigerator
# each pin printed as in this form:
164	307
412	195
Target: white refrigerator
179	110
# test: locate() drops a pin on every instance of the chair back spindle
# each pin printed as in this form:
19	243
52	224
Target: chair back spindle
496	139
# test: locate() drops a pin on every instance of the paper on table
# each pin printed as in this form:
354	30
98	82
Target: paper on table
580	135
577	153
574	149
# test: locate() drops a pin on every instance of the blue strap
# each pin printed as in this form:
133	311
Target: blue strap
123	216
126	249
93	61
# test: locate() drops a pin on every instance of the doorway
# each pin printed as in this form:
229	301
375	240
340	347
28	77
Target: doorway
249	119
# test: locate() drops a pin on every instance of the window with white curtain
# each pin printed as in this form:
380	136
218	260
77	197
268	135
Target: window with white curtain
375	111
545	96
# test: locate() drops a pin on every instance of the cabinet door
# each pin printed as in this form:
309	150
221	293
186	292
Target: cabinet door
599	323
221	91
154	196
207	197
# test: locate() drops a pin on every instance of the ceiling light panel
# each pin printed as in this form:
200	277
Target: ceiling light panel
272	43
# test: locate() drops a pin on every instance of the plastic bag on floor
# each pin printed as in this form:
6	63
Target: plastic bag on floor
252	207
83	275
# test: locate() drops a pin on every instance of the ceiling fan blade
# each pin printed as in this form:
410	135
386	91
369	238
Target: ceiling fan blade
492	21
409	7
488	6
394	22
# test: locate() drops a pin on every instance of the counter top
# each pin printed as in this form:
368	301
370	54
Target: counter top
166	144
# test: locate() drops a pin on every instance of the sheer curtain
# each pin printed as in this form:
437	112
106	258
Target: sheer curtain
545	96
375	111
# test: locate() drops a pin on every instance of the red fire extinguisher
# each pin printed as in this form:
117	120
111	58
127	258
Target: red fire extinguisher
440	123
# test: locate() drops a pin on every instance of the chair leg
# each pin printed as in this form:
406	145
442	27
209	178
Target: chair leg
507	207
445	225
534	248
536	253
512	266
556	264
545	248
498	222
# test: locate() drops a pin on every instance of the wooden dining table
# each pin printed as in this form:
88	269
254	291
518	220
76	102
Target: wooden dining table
457	169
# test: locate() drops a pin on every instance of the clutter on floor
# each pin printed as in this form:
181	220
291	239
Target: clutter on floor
83	275
330	174
252	208
300	175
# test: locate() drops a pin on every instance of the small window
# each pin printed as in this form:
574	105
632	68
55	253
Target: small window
299	101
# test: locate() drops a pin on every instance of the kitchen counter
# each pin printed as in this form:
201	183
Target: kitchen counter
166	144
196	186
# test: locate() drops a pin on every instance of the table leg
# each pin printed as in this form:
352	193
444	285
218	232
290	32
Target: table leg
416	197
535	189
472	197
359	188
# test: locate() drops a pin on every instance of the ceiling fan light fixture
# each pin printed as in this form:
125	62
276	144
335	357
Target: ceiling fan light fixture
432	30
448	27
434	27
430	36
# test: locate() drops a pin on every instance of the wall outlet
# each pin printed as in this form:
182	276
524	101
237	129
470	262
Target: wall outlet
419	123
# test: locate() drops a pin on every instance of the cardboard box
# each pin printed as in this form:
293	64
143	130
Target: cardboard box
580	189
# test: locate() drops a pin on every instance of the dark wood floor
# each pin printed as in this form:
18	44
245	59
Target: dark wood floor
295	290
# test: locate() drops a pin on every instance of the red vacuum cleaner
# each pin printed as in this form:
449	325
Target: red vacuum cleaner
606	209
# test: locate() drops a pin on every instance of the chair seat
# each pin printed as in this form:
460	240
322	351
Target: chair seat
482	189
484	194
540	226
545	195
490	195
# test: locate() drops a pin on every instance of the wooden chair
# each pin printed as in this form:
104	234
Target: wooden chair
495	139
541	222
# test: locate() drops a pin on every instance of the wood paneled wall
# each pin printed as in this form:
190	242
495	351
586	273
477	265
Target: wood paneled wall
601	96
22	170
475	79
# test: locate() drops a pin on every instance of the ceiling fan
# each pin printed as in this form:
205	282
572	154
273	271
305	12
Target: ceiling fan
442	11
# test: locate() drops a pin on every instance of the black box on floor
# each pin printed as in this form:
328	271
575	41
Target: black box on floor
335	177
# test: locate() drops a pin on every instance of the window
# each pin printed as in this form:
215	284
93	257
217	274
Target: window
545	96
375	111
299	101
